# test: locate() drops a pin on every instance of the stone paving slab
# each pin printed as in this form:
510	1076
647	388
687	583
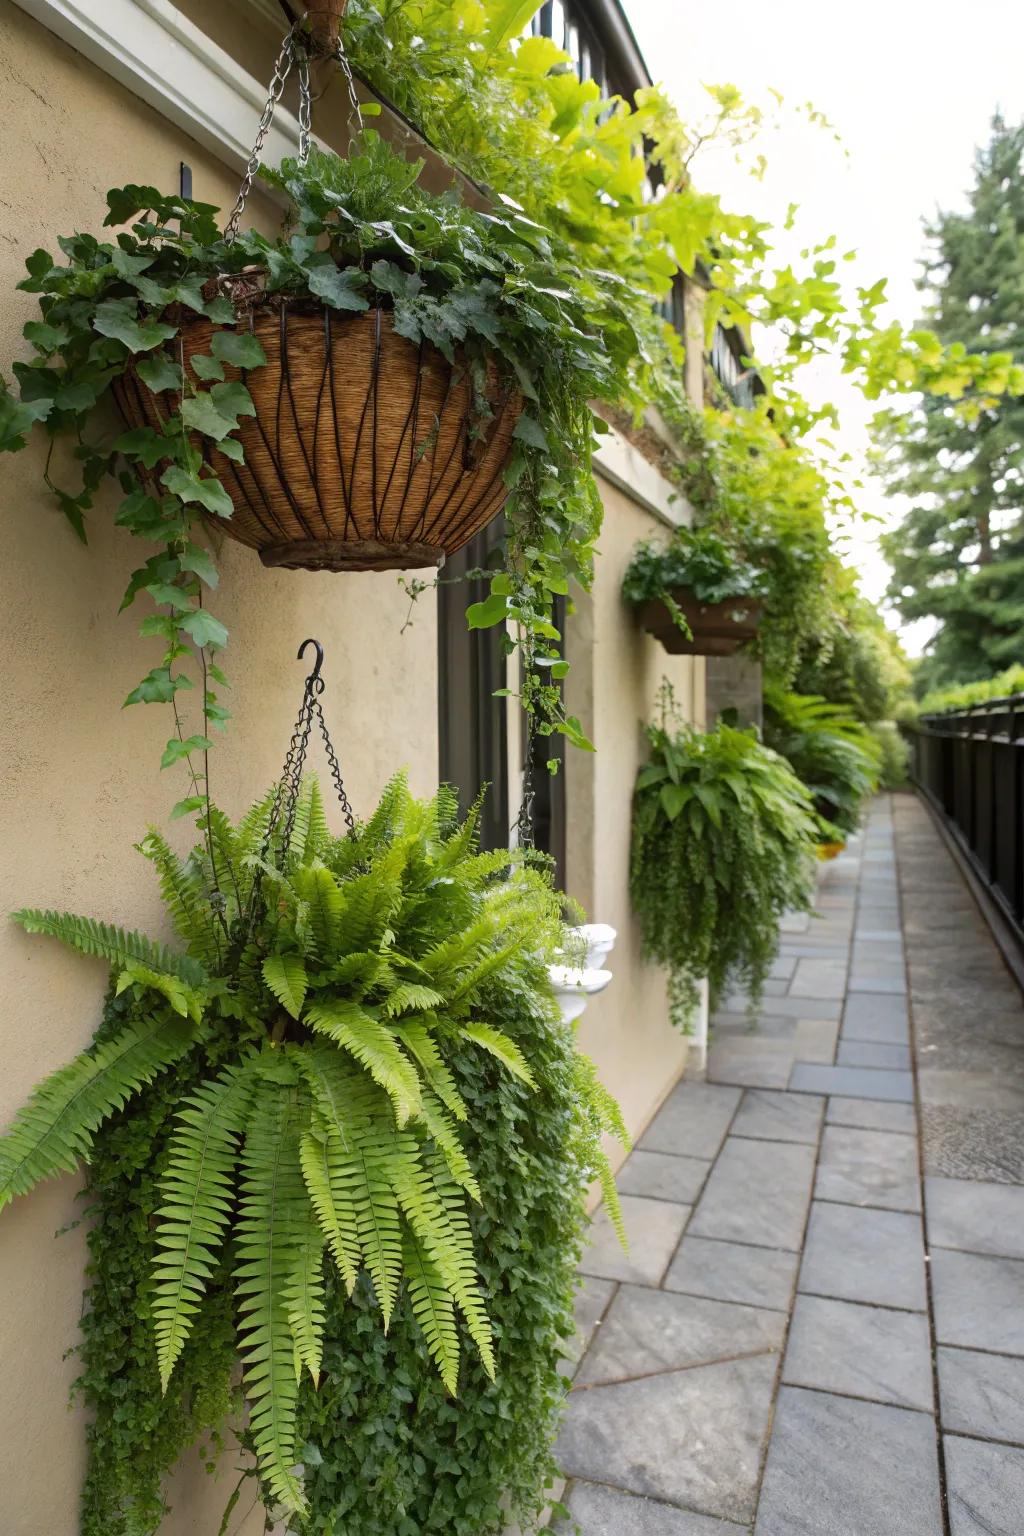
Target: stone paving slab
590	1303
852	1082
653	1228
693	1120
663	1176
758	1277
692	1438
758	1192
645	1332
982	1394
864	1255
876	1168
872	1115
872	1053
607	1512
975	1216
768	1116
858	1351
985	1486
870	1017
979	1301
838	1467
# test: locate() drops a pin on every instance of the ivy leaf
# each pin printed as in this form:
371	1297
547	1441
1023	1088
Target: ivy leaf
233	400
157	687
18	417
206	367
220	310
238	348
187	807
337	286
118	318
159	373
493	610
200	414
209	492
165	592
231	448
144	444
200	562
529	430
175	750
45	338
204	629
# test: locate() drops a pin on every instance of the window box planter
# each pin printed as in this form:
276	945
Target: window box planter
717	629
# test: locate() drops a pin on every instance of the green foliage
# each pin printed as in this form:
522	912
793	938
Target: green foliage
893	753
723	836
334	985
695	558
957	555
488	290
833	754
962	696
857	662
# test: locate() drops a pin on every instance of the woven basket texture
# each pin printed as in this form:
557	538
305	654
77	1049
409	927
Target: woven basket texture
363	454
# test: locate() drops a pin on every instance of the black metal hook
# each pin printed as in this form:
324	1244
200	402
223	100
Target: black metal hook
314	680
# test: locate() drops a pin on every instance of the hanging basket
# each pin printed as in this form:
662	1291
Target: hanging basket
366	451
719	629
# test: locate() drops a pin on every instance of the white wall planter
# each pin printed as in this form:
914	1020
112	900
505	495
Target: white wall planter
575	985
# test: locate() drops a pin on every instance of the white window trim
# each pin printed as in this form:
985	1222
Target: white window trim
151	48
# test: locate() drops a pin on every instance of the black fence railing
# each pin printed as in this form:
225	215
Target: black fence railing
969	764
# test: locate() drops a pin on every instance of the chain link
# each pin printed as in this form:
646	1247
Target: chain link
294	50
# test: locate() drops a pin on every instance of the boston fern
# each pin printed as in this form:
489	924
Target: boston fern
323	987
723	840
835	756
486	289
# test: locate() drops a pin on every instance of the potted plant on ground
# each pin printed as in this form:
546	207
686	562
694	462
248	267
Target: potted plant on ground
697	595
723	843
281	1162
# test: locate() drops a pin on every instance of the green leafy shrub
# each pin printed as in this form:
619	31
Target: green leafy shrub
893	754
487	289
295	1071
695	558
723	838
966	694
833	754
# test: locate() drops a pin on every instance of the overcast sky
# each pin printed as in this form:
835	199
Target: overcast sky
909	86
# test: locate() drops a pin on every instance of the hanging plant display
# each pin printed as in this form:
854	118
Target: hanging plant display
365	390
285	1094
697	596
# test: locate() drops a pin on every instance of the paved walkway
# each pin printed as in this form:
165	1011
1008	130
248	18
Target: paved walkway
819	1330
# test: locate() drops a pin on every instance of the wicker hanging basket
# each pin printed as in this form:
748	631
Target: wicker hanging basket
366	451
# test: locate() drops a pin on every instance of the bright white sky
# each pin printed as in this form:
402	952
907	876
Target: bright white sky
910	87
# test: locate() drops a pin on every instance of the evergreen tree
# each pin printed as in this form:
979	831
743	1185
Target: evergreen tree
958	554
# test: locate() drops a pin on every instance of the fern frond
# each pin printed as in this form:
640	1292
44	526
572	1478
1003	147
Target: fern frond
499	1045
420	1043
286	977
114	945
343	1107
272	1221
375	1047
319	889
304	1299
197	1192
433	1309
444	1133
53	1133
186	897
183	999
411	997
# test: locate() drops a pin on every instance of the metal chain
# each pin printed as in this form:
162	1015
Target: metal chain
294	50
332	761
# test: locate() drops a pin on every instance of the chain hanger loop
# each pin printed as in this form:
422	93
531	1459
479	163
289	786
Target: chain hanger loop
297	49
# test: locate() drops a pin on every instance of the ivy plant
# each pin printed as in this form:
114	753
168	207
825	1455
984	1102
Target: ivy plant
722	845
307	1031
695	559
481	287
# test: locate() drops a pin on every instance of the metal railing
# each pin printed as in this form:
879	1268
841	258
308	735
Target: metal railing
969	765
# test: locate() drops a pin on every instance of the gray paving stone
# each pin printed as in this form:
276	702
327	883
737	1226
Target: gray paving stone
759	1277
837	1467
872	1115
804	1007
592	1298
815	1040
770	1116
860	1167
864	1255
872	1053
693	1120
818	979
758	1192
889	986
977	1217
979	1301
982	1394
689	1437
868	1016
852	1082
647	1331
783	967
750	1061
606	1512
858	1351
985	1487
663	1176
653	1227
871	930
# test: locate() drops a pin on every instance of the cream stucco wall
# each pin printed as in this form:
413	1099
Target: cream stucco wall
80	780
615	674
